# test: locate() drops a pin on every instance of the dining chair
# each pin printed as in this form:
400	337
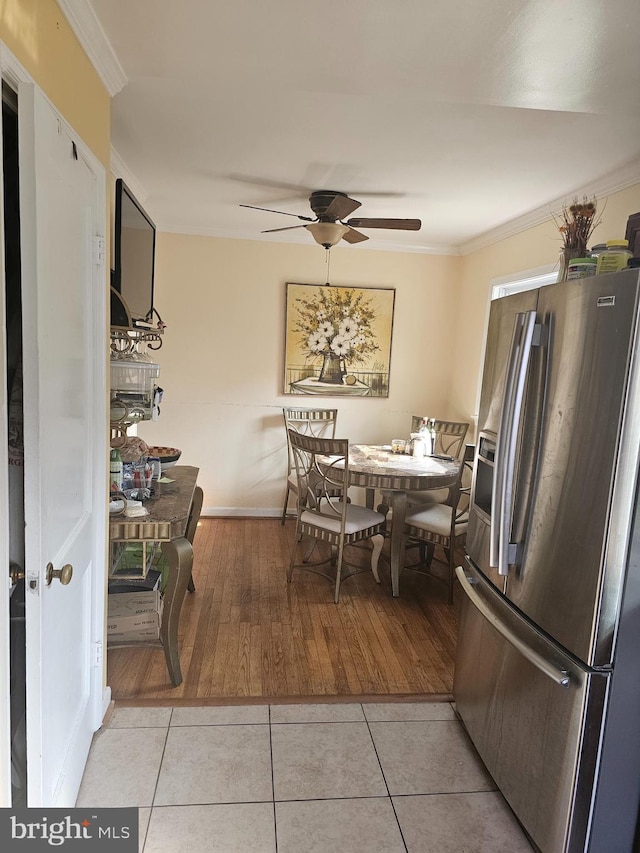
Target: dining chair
192	524
320	423
450	437
442	524
322	512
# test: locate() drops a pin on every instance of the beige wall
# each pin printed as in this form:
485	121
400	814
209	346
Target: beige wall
532	248
221	362
222	359
38	35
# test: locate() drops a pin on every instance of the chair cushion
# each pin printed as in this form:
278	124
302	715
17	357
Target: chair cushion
435	518
358	518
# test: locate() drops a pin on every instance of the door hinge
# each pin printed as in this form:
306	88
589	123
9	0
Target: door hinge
33	582
97	660
98	251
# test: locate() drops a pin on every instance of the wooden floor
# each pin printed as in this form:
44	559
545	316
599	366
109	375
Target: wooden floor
245	633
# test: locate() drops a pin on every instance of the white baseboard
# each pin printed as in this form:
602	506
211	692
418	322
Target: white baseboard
239	512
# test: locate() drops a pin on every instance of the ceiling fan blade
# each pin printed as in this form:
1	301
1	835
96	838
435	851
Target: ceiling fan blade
399	224
301	190
288	228
296	189
283	212
353	236
341	206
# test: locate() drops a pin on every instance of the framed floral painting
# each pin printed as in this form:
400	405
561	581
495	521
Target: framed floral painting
338	340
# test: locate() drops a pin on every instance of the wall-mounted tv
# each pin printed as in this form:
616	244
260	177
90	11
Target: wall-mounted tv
134	254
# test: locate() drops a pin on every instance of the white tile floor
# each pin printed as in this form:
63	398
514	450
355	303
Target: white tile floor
381	778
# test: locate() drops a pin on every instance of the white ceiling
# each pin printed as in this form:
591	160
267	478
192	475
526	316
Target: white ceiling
463	114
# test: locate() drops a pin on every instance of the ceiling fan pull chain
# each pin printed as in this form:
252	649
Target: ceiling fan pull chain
328	265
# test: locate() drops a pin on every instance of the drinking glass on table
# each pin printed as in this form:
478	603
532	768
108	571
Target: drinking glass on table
398	445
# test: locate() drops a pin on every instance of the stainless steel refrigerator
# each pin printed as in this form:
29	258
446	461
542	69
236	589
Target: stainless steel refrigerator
547	676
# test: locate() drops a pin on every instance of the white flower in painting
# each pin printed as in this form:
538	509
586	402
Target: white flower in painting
325	328
356	317
321	315
316	342
340	345
348	329
359	340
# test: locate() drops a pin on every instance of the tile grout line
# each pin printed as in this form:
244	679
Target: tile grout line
155	789
273	783
384	778
336	799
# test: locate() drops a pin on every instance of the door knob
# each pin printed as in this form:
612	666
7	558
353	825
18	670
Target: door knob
15	573
64	574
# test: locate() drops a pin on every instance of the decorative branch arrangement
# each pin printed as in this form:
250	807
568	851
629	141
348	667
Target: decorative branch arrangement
576	225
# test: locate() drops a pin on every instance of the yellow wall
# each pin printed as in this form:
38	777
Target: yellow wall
38	35
532	248
221	361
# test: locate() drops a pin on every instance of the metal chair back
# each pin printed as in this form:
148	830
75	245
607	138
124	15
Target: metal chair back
320	423
450	435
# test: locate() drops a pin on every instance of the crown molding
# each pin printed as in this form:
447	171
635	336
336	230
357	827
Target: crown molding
608	184
120	169
93	39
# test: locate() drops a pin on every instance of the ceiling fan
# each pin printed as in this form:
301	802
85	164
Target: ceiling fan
328	227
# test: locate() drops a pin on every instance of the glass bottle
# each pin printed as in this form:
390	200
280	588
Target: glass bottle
115	470
432	432
428	435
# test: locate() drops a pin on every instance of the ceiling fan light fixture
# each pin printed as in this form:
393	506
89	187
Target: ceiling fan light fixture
327	234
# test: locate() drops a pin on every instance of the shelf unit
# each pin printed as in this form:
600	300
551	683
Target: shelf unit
129	343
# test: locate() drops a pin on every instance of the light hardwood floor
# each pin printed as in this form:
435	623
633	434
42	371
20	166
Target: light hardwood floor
245	633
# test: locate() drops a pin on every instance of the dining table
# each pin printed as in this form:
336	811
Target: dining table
376	467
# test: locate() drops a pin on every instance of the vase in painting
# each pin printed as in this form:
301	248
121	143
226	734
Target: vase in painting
331	371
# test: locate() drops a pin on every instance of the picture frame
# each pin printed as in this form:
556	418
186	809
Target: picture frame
338	340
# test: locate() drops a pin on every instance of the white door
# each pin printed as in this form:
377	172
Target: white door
62	208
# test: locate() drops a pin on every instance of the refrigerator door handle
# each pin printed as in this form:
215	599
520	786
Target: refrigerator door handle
501	553
560	676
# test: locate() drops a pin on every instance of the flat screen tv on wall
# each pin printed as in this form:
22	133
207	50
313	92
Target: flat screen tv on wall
134	254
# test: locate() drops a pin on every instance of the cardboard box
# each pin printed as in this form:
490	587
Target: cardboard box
141	626
133	603
145	635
